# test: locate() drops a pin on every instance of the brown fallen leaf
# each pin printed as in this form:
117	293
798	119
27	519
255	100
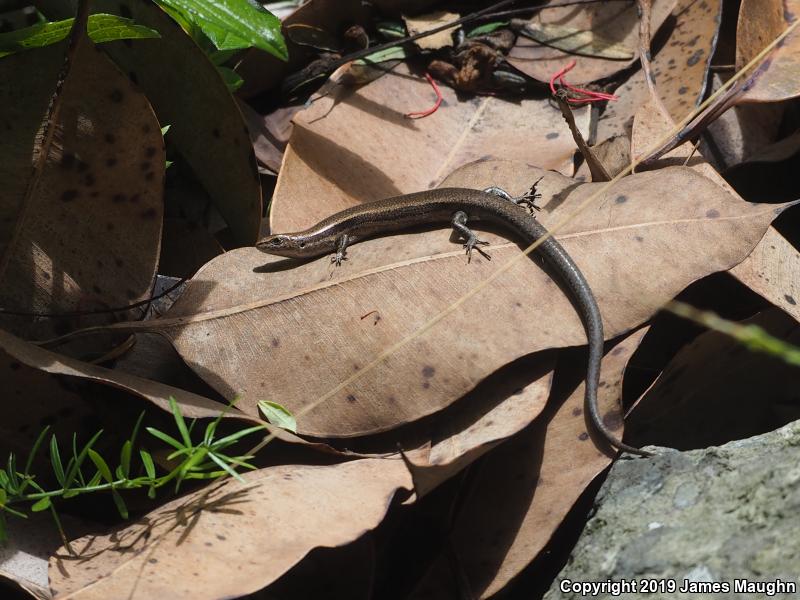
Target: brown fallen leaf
716	390
263	72
614	153
741	131
184	549
426	22
193	406
768	269
205	123
761	21
331	164
616	22
250	327
31	542
570	40
773	271
680	67
481	420
33	400
269	133
530	482
83	233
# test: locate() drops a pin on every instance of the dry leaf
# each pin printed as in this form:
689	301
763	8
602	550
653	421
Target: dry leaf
680	68
331	164
773	271
84	235
31	542
716	390
760	22
615	22
292	335
531	482
614	153
422	23
33	400
205	123
582	42
192	405
262	71
501	406
740	131
231	539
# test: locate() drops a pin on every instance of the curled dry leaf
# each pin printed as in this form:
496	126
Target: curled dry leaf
184	549
330	164
680	68
614	22
716	390
250	327
83	232
189	95
760	22
531	482
193	406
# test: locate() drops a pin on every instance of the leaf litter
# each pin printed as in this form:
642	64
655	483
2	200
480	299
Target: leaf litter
497	398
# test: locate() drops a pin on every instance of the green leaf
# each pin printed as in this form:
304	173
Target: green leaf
225	466
180	422
147	461
278	415
231	78
55	460
102	466
120	503
165	438
487	28
229	439
101	28
125	459
232	24
75	465
42	504
3	497
387	54
13	480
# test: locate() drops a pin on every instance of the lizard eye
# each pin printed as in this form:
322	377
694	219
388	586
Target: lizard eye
302	244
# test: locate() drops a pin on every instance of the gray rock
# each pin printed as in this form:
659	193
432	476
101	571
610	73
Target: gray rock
718	515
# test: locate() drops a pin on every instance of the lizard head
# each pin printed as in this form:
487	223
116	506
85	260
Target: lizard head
286	244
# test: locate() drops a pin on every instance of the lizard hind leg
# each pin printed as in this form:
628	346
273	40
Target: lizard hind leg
459	223
528	199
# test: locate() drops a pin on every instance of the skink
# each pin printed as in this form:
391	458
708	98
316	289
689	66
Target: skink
456	206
